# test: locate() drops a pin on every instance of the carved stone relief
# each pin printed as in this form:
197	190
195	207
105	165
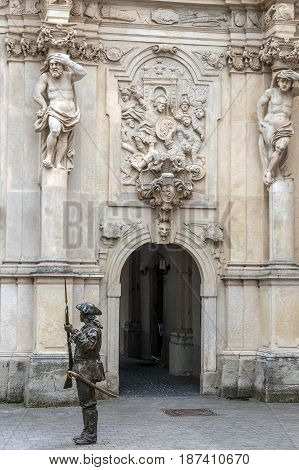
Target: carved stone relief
239	19
244	59
279	12
62	38
20	7
112	232
33	6
280	51
89	10
85	51
121	14
283	53
163	16
213	59
254	19
211	235
17	7
163	129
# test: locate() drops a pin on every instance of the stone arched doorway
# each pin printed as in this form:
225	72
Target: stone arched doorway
160	315
204	261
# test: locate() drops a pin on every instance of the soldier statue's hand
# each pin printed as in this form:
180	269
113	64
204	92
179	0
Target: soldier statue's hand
68	328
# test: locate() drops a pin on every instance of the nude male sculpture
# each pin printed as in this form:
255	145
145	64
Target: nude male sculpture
276	126
59	112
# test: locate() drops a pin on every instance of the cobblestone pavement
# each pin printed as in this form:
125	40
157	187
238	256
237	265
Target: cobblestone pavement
140	423
146	379
137	421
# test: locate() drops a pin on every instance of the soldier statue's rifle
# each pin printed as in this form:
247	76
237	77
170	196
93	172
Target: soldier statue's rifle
70	373
68	381
75	375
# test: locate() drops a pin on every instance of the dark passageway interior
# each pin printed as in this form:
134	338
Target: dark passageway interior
160	340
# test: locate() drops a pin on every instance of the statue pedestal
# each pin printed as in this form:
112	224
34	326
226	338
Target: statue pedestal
54	198
281	222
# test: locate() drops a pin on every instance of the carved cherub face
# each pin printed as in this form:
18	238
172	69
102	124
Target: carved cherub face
200	113
56	68
125	95
184	106
285	84
167	192
187	120
164	230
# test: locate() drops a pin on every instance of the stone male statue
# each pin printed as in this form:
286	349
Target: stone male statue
87	363
59	112
276	126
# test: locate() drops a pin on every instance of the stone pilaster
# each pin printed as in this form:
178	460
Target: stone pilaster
281	222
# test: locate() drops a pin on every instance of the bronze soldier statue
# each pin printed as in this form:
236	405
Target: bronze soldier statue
87	364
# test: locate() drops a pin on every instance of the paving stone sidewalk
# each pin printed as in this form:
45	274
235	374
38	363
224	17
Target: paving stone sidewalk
139	423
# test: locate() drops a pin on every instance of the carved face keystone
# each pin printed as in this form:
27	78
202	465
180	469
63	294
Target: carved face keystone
164	230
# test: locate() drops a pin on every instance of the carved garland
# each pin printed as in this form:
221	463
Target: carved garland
282	53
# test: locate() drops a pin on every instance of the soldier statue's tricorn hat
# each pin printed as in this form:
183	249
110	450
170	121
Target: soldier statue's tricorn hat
88	309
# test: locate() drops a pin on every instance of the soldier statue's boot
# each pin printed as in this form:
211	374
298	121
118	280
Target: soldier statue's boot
90	435
84	428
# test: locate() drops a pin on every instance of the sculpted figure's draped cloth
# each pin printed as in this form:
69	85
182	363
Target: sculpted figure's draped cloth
284	131
68	120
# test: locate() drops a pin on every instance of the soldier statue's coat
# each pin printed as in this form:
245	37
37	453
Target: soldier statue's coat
87	363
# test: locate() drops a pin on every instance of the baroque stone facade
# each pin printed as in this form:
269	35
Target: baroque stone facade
181	137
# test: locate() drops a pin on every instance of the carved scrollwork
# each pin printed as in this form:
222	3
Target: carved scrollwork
113	232
13	47
166	48
213	59
212	236
81	50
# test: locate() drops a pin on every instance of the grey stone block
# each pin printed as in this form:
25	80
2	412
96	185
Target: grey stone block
16	379
229	373
4	373
277	377
246	376
45	380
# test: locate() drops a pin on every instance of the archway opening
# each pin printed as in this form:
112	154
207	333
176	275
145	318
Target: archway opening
160	322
